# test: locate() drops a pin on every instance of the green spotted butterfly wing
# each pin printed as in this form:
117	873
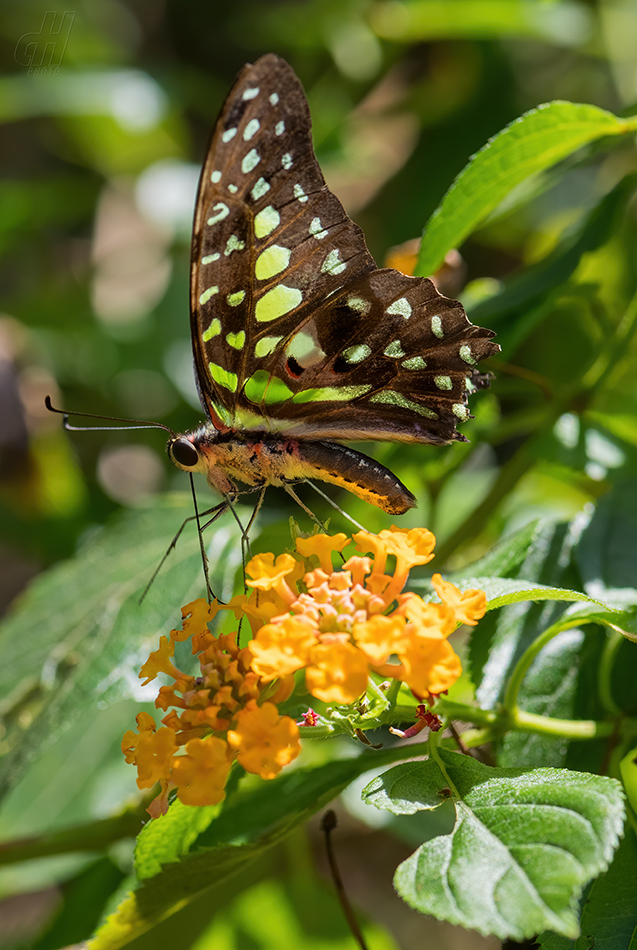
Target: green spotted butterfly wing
298	337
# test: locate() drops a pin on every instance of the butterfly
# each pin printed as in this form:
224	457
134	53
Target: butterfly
300	341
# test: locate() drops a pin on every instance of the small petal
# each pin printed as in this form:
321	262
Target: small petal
467	607
264	741
322	546
430	666
379	637
338	672
264	572
282	648
200	775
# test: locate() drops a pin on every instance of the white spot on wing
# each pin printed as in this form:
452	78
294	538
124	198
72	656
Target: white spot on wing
228	135
274	99
466	355
209	258
207	294
222	211
286	161
251	129
332	263
250	93
317	230
300	194
215	177
279	128
250	161
234	244
260	189
401	307
436	327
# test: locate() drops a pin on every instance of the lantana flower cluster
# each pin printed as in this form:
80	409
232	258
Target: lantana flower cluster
339	625
225	713
348	622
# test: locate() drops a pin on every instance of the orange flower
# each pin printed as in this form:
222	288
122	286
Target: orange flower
379	637
205	711
430	666
200	775
282	648
337	672
264	741
467	608
149	750
340	626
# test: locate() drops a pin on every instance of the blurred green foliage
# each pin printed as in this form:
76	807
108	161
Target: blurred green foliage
102	133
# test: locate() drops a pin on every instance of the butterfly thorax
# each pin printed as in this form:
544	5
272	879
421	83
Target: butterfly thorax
259	458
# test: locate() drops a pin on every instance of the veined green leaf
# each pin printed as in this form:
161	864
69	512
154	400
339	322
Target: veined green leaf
525	842
530	144
244	829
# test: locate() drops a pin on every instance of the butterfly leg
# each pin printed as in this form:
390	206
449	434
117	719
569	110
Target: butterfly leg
307	510
216	512
335	506
257	509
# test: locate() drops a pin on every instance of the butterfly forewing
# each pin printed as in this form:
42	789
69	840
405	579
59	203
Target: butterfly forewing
295	330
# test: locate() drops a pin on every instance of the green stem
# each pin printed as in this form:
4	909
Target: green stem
567	728
604	676
522	666
93	836
435	739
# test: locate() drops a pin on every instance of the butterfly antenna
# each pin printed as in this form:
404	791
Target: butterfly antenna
334	505
130	423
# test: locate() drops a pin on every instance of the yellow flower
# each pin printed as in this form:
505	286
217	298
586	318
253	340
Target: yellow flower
159	662
322	546
430	666
379	637
467	608
264	573
282	648
338	672
150	750
200	775
264	741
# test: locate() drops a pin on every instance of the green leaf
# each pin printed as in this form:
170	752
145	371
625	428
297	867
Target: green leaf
530	144
503	636
248	825
167	839
558	22
609	912
519	304
524	845
504	558
548	689
607	553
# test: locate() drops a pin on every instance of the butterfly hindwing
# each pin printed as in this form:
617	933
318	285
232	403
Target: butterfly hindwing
295	330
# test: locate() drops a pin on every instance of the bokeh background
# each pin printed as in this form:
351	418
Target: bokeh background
105	110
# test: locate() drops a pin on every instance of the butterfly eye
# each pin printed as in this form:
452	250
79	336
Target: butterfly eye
183	451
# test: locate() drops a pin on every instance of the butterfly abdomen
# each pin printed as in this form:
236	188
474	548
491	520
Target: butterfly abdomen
274	460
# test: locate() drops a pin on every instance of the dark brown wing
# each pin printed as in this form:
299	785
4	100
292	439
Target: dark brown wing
294	328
